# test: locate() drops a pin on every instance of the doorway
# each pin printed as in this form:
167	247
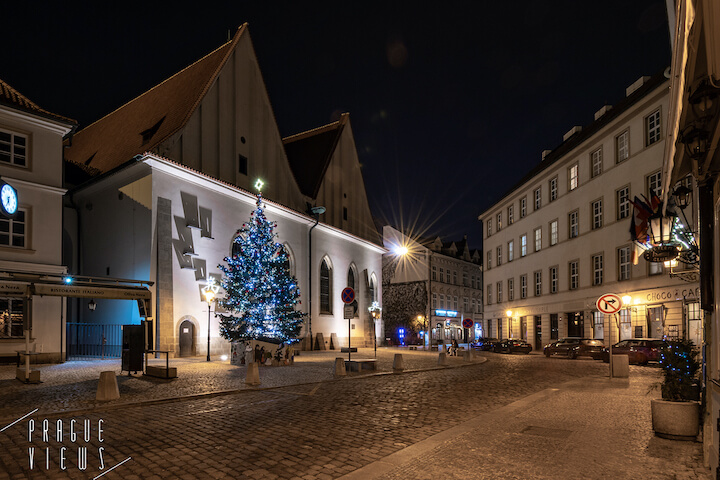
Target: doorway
187	339
538	332
576	324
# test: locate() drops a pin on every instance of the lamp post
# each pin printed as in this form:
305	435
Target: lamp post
375	311
209	292
315	212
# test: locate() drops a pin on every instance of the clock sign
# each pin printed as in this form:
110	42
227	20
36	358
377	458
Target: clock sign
8	200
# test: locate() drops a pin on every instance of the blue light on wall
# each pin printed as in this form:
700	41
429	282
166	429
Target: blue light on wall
446	313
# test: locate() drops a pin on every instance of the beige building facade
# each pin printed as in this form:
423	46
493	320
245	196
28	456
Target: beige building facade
560	239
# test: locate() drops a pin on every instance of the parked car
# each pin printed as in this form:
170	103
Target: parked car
485	343
573	347
639	350
512	345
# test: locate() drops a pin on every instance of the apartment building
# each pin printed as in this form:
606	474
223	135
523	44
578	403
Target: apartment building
560	238
433	285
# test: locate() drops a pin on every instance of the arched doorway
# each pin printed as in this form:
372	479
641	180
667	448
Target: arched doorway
187	339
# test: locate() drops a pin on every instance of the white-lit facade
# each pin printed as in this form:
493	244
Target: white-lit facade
561	238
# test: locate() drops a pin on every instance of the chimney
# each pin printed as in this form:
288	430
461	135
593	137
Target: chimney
602	111
571	132
638	83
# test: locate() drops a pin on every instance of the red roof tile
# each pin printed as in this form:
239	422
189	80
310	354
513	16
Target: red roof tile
148	120
12	98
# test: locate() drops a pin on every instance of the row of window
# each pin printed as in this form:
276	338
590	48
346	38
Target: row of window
597	264
596	211
326	293
470	305
446	277
622	152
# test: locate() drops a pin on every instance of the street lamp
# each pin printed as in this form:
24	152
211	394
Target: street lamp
375	310
421	318
315	212
209	292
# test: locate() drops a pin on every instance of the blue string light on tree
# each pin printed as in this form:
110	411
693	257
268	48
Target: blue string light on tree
261	294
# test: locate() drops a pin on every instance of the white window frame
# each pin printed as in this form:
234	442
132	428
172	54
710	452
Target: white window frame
523	244
653	128
573	224
16	230
622	146
573	177
596	163
523	286
553	188
498	220
597	262
499	255
537	195
511	289
523	207
653	184
511	214
553	279
622	197
498	289
574	272
553	232
538	283
14	150
597	214
538	239
511	252
623	256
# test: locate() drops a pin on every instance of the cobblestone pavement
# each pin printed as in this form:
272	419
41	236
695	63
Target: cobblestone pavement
314	428
73	385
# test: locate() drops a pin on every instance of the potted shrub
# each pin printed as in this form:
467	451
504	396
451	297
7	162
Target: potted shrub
677	415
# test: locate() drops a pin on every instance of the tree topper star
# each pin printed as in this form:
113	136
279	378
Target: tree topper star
259	185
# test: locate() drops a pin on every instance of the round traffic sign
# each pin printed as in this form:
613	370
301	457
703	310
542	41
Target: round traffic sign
467	323
609	303
348	295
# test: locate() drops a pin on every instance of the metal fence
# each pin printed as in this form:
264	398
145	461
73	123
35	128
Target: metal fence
87	340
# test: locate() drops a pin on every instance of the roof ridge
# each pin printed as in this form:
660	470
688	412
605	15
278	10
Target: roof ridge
17	99
317	130
155	87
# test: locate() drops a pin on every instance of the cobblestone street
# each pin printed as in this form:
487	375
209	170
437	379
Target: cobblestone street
309	429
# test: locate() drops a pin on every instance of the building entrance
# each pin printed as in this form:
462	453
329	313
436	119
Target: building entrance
187	339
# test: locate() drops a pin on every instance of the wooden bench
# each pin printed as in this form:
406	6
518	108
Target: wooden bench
360	365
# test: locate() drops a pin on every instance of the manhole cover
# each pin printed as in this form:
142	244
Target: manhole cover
546	432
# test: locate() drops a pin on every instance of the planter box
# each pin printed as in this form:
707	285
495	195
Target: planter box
676	420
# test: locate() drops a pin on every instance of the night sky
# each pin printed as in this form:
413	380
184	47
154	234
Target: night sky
451	102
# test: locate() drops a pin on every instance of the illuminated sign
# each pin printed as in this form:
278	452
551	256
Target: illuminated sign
446	313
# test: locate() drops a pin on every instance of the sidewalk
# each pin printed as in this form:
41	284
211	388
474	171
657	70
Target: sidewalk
72	386
593	428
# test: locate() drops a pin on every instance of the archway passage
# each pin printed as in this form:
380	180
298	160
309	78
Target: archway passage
187	339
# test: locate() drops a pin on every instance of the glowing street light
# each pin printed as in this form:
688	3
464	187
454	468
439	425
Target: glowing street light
210	291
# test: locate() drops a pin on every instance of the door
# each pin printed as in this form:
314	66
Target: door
523	328
538	333
655	322
576	324
187	339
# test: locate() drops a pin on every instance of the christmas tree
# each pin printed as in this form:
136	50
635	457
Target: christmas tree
261	294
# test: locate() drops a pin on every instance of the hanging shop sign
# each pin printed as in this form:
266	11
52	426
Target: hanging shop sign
14	288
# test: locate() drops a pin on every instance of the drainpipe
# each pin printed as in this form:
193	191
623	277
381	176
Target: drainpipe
315	212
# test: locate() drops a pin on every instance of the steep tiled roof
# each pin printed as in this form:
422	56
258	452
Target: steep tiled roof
143	123
14	99
309	154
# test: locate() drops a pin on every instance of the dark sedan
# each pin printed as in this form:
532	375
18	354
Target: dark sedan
485	343
512	345
573	347
639	350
